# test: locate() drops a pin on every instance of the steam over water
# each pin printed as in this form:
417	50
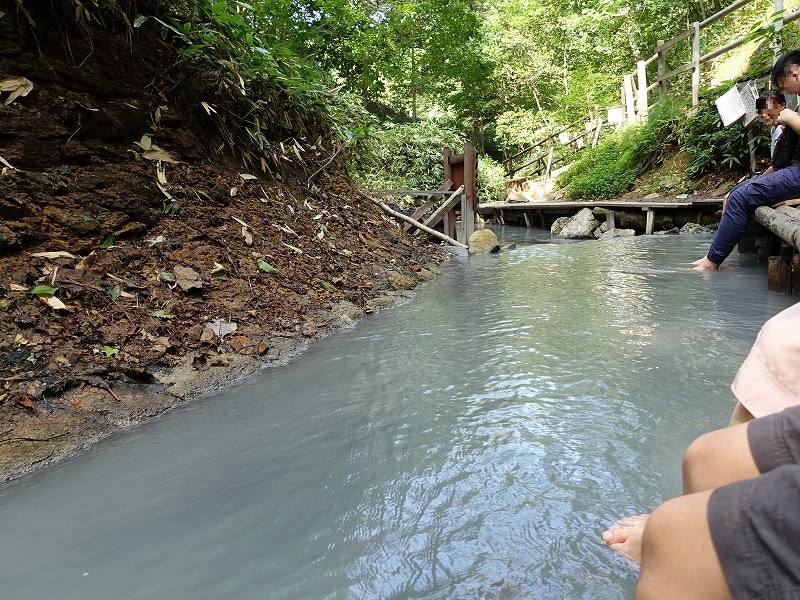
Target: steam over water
472	443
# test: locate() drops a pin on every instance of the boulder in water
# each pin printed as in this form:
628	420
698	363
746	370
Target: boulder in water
581	225
483	241
613	233
558	225
694	228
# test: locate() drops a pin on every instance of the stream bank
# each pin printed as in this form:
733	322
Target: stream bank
139	267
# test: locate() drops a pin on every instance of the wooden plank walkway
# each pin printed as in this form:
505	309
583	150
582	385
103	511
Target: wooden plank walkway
567	204
498	211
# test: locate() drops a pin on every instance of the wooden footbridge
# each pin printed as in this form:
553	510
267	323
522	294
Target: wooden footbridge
641	214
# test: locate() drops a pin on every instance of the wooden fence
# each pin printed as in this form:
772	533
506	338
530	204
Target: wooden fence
547	154
635	92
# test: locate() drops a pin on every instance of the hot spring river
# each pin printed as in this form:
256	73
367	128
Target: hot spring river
472	443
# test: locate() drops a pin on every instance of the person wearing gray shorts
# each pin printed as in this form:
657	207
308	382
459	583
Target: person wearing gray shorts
735	533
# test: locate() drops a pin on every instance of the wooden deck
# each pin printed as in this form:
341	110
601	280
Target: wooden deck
525	213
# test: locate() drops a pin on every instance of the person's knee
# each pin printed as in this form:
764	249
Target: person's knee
696	461
738	202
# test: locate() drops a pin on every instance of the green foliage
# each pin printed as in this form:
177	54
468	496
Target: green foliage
601	173
43	290
491	179
110	351
266	267
610	169
404	156
256	92
710	146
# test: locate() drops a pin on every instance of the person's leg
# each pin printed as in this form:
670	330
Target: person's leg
679	566
740	415
712	460
742	202
718	458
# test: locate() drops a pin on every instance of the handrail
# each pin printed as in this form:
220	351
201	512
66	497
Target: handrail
724	12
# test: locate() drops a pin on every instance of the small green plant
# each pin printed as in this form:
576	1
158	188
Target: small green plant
266	267
712	147
610	169
43	290
110	351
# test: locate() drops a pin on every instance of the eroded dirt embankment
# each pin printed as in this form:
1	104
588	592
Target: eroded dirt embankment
176	276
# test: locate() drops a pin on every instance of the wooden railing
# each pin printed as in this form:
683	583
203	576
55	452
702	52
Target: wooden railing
635	91
636	87
547	154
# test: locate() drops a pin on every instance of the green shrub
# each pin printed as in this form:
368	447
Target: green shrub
610	169
255	92
406	156
491	179
713	148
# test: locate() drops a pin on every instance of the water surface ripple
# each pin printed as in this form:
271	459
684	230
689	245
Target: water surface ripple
469	444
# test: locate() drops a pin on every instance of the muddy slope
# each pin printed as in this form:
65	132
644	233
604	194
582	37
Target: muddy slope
177	268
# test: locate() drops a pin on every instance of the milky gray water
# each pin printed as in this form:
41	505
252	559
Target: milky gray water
471	443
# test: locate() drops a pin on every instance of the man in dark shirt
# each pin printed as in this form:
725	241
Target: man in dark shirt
769	188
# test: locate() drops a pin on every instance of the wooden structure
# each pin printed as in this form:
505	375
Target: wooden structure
542	214
462	170
783	262
635	88
459	194
651	74
554	150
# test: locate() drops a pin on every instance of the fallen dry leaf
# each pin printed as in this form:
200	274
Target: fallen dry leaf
18	86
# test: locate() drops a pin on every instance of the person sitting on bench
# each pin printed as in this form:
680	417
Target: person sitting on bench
767	189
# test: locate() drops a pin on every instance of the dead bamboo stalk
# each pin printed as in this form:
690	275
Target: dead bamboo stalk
417	224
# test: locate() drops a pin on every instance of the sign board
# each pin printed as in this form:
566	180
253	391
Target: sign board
748	93
730	106
615	115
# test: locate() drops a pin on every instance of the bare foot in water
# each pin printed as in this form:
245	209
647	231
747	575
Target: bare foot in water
705	265
625	538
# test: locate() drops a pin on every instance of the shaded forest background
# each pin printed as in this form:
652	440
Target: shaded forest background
394	82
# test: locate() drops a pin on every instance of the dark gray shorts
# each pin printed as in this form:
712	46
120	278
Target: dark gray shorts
755	524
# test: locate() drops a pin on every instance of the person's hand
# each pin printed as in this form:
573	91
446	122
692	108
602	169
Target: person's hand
781	120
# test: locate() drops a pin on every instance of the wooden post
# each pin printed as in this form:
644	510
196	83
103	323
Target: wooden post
651	219
796	274
467	218
779	275
767	246
662	70
622	106
747	245
641	94
630	107
597	131
751	147
610	220
696	61
527	219
448	170
777	38
470	204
